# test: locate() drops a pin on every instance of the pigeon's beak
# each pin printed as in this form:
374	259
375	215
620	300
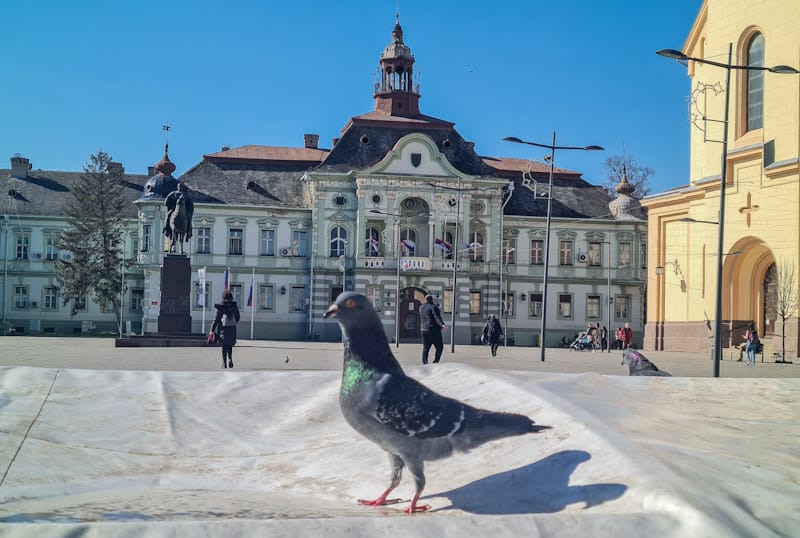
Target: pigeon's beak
331	313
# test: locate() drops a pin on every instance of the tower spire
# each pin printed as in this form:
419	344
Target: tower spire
396	93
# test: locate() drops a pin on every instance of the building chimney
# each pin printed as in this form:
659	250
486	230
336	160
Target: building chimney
335	141
114	167
311	140
20	166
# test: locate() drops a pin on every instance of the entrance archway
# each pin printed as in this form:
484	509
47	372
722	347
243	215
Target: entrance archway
747	274
411	299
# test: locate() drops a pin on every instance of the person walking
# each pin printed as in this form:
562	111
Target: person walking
628	342
492	331
431	326
224	326
751	337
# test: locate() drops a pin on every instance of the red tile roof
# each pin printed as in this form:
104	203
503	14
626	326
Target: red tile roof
508	164
270	153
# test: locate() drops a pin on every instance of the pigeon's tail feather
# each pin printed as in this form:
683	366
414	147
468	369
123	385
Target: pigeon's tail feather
485	426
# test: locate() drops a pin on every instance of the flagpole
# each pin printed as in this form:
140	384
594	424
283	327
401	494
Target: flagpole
252	303
203	292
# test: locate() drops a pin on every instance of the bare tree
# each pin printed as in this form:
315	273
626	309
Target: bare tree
619	166
784	299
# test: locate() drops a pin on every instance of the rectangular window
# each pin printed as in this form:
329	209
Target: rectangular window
449	236
447	302
644	255
267	243
565	253
625	255
235	241
51	249
535	305
79	302
236	289
147	230
137	300
335	292
594	254
592	307
537	252
565	306
299	242
203	234
50	298
622	308
475	302
510	251
20	297
266	297
374	296
298	299
201	296
508	304
23	242
134	246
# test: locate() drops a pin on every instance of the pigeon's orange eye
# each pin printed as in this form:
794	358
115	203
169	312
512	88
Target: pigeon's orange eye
350	303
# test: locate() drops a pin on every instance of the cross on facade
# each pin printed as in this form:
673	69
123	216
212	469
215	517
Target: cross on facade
748	209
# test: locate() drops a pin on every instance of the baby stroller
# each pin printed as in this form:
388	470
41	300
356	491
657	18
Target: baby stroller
582	342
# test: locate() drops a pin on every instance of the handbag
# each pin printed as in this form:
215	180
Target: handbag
212	337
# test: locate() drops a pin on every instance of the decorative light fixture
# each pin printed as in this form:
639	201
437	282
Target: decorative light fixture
522	296
283	290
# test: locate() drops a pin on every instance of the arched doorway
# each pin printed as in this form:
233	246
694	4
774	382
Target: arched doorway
410	300
750	277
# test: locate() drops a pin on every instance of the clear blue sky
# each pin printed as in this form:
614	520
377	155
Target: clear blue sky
81	75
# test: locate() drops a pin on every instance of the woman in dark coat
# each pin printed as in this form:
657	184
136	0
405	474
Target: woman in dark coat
225	326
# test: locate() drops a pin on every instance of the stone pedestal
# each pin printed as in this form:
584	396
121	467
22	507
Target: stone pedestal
176	289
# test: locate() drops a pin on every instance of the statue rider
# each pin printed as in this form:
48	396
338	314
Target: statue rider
171	201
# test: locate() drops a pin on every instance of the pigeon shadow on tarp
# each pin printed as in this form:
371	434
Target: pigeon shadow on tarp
540	487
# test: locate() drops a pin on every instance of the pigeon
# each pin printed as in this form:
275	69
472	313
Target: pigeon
638	364
412	423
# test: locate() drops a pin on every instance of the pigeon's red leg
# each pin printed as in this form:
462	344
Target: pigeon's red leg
413	506
380	501
397	473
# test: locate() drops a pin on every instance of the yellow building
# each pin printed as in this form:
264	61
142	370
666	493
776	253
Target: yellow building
761	232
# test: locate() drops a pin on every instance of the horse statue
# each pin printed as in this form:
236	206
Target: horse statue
178	226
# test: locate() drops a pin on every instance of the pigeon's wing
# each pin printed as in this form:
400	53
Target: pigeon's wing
409	408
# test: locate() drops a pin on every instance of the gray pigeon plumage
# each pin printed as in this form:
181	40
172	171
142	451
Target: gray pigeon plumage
409	421
639	365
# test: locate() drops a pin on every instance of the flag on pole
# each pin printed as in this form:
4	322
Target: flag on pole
227	276
201	277
250	296
408	243
373	243
442	245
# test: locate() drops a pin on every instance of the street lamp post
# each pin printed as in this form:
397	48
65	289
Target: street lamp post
552	147
780	69
397	218
507	193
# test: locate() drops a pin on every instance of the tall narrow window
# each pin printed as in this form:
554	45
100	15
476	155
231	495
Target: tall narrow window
408	240
338	242
137	300
236	290
594	254
266	297
537	252
474	302
51	248
20	297
203	240
535	305
147	232
373	242
476	246
235	241
510	251
299	242
592	307
644	255
625	255
267	242
564	306
50	298
507	301
755	83
565	253
23	241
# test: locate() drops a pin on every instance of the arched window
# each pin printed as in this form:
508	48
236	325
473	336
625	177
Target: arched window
476	246
338	241
755	83
408	240
373	242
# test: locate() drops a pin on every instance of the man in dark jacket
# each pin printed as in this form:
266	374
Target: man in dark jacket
431	325
225	326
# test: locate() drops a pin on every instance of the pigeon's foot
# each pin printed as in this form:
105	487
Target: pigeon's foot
379	502
414	507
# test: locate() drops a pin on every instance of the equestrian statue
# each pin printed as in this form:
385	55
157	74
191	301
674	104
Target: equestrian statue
178	225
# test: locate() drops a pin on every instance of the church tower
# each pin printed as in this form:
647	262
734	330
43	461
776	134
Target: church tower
396	94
